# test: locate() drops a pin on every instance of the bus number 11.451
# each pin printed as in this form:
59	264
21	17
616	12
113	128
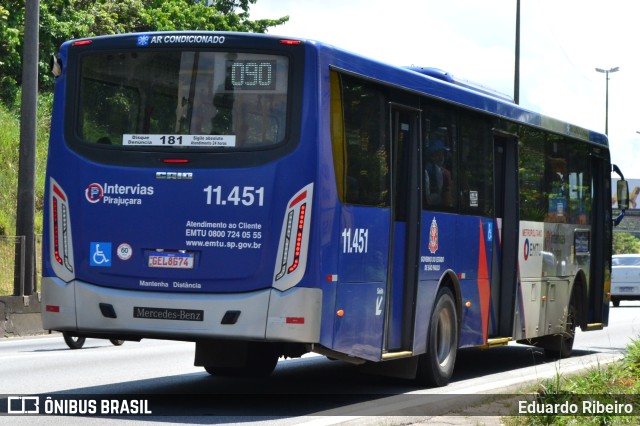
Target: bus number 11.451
355	241
245	195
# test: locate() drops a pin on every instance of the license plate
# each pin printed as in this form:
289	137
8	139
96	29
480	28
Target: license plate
626	289
171	260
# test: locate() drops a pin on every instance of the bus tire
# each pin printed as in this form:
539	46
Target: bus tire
563	344
615	301
72	340
435	367
116	342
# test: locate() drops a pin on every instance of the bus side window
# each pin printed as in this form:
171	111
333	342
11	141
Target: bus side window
579	185
533	201
439	161
438	183
556	181
476	170
367	150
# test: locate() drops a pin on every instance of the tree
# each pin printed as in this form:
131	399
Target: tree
62	20
11	27
625	243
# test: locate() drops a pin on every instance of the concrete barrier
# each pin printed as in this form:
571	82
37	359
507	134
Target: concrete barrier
20	316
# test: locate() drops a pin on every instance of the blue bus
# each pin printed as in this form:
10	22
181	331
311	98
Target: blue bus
267	197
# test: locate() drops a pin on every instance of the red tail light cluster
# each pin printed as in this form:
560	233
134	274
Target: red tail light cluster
60	233
291	261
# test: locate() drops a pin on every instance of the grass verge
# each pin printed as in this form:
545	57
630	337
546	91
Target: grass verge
9	165
616	383
10	161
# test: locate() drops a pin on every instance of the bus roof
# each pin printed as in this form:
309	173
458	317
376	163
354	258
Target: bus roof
440	84
450	78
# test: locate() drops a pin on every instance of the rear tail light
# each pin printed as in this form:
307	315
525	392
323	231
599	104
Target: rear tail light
296	253
291	259
60	242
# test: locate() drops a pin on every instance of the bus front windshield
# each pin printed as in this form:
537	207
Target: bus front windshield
183	99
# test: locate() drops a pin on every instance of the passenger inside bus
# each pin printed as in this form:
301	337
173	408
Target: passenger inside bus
437	179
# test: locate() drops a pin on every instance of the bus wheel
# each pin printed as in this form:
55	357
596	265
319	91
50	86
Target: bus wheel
435	367
260	361
563	344
615	301
73	341
116	342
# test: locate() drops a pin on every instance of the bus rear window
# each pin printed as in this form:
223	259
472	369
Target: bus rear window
183	99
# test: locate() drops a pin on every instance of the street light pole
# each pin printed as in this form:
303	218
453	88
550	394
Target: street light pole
606	111
25	210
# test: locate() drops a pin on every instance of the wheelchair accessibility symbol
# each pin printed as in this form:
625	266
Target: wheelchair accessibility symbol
100	254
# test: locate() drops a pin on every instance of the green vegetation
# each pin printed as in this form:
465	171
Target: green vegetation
605	384
9	134
9	161
624	243
7	245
